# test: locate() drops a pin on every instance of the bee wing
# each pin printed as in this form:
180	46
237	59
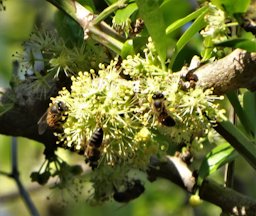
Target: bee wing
42	124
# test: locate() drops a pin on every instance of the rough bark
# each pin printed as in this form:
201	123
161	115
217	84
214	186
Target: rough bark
236	70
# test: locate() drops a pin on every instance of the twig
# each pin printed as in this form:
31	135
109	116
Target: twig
6	174
105	13
15	175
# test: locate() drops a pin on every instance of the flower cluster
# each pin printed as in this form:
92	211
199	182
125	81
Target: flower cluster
109	102
216	24
216	31
46	52
124	109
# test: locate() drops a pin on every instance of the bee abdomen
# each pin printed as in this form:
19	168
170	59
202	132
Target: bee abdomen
96	138
93	151
168	121
93	154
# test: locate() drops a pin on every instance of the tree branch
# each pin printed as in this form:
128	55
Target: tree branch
175	170
27	107
236	70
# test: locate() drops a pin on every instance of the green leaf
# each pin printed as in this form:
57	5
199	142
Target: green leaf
249	105
183	21
171	14
215	159
245	121
139	43
127	49
238	140
232	7
109	10
246	44
67	28
123	14
197	25
88	4
152	15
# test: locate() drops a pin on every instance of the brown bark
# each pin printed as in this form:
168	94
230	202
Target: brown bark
236	70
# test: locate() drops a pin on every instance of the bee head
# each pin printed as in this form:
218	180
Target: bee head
158	96
61	106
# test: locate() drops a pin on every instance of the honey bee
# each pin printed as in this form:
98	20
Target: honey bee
133	191
160	110
138	26
53	118
92	151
